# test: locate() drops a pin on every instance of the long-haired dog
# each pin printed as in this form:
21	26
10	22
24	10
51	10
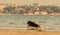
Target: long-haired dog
33	26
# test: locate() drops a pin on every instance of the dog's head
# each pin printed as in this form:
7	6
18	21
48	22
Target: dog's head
29	22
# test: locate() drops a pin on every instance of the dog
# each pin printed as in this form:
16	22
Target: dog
33	25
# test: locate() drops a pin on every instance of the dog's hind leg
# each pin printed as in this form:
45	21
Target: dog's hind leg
38	29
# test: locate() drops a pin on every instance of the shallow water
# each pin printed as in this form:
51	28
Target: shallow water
48	23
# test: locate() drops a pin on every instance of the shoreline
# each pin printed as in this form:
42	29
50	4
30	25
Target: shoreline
33	15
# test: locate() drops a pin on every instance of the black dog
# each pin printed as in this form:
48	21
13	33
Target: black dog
32	24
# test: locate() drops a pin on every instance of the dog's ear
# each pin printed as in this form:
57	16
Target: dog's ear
28	22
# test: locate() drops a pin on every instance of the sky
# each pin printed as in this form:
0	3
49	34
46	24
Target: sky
41	2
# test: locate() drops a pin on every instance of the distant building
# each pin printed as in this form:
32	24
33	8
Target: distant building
36	13
43	13
30	13
57	13
2	6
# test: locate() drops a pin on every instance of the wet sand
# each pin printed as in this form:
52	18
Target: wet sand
26	32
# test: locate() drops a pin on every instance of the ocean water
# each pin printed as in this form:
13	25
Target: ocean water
48	23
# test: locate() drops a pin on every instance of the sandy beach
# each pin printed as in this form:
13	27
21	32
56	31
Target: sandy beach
26	32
